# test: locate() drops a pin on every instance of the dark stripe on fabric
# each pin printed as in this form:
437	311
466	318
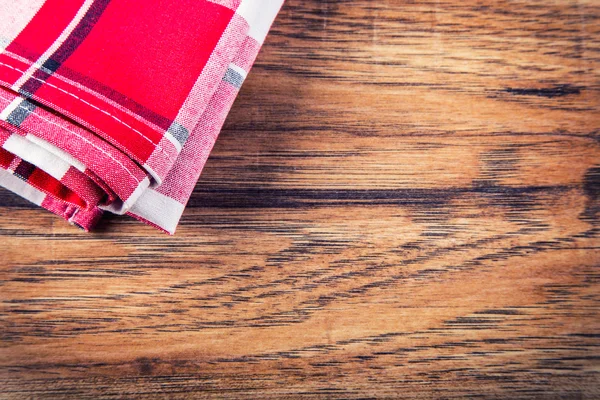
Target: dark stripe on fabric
24	170
34	83
81	31
179	132
19	114
68	47
51	65
233	77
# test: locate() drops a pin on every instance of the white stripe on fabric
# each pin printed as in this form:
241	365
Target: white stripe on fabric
37	156
20	187
122	207
159	209
260	14
156	181
60	153
10	108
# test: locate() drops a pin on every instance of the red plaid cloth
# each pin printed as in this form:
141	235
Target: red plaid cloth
115	105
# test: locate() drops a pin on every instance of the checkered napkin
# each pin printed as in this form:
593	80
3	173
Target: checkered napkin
114	105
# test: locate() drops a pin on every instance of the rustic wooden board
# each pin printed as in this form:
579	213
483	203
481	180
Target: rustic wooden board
404	203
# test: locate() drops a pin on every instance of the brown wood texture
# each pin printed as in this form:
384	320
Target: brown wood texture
404	203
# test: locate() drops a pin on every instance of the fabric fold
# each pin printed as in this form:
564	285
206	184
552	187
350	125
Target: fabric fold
116	104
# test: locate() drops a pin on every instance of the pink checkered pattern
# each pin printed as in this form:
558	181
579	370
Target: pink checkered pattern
105	107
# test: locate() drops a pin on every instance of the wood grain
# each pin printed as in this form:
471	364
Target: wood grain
404	203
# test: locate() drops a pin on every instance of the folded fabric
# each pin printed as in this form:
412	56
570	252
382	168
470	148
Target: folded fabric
115	105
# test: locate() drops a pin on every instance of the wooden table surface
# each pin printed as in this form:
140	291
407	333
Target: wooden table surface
405	202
